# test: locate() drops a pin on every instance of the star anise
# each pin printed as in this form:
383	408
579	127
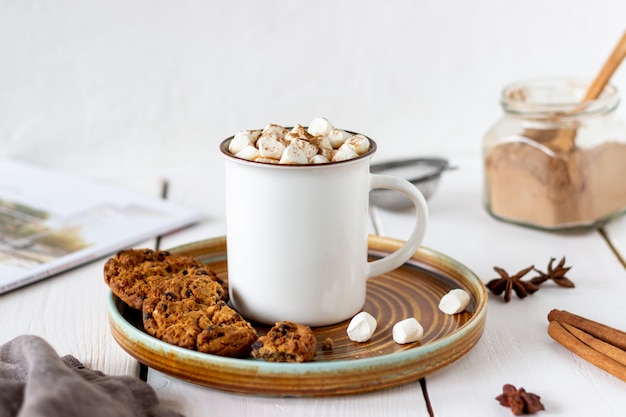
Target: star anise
520	401
555	274
508	283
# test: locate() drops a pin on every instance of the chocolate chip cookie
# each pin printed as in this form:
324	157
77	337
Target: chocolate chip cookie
286	342
210	328
133	273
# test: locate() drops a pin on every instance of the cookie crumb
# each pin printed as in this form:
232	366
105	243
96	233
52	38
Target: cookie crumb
328	344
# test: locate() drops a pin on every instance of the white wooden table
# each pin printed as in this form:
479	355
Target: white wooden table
70	311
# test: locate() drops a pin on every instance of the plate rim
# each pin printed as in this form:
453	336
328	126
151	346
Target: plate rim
263	368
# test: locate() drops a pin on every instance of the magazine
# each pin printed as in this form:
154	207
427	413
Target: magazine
52	221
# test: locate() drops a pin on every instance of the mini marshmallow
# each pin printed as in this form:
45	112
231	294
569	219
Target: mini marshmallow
298	132
407	331
320	127
327	153
337	137
344	153
240	141
359	143
333	145
319	159
454	301
309	149
293	155
249	152
362	327
322	142
270	146
255	135
277	129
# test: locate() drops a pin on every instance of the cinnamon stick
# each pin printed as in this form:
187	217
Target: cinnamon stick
570	342
601	346
598	330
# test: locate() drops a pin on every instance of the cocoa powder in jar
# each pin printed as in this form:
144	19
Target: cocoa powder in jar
554	164
529	184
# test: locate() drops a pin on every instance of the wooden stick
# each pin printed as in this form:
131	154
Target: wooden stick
562	140
571	343
601	346
611	64
598	330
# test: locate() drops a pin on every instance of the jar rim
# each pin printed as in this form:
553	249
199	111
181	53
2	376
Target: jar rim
560	97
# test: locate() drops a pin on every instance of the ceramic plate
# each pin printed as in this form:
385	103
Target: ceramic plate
413	290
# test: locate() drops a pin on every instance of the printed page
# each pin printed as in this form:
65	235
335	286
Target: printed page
50	221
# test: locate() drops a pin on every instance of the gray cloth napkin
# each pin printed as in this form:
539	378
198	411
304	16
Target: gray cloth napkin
36	382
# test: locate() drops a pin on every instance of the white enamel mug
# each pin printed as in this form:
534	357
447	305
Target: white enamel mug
297	237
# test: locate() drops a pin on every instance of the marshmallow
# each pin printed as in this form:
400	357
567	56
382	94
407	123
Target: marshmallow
322	142
344	153
270	146
249	152
362	327
298	132
274	128
320	127
359	143
319	159
293	155
255	135
454	301
327	153
407	331
309	149
240	141
337	137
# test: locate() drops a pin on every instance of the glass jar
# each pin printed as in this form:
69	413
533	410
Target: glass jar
553	163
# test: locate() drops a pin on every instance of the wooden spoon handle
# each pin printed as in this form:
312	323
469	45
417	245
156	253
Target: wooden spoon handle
607	70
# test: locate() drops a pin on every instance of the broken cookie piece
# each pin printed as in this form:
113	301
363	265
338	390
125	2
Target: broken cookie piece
216	328
286	342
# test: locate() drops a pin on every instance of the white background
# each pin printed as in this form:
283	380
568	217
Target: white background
142	83
145	87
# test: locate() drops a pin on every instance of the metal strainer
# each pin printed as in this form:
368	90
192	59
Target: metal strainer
424	173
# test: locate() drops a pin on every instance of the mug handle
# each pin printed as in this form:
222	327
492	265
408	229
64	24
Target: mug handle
400	256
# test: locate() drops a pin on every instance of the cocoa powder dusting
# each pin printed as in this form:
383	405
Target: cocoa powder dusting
528	184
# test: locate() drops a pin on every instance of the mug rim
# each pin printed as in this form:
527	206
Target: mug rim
224	150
